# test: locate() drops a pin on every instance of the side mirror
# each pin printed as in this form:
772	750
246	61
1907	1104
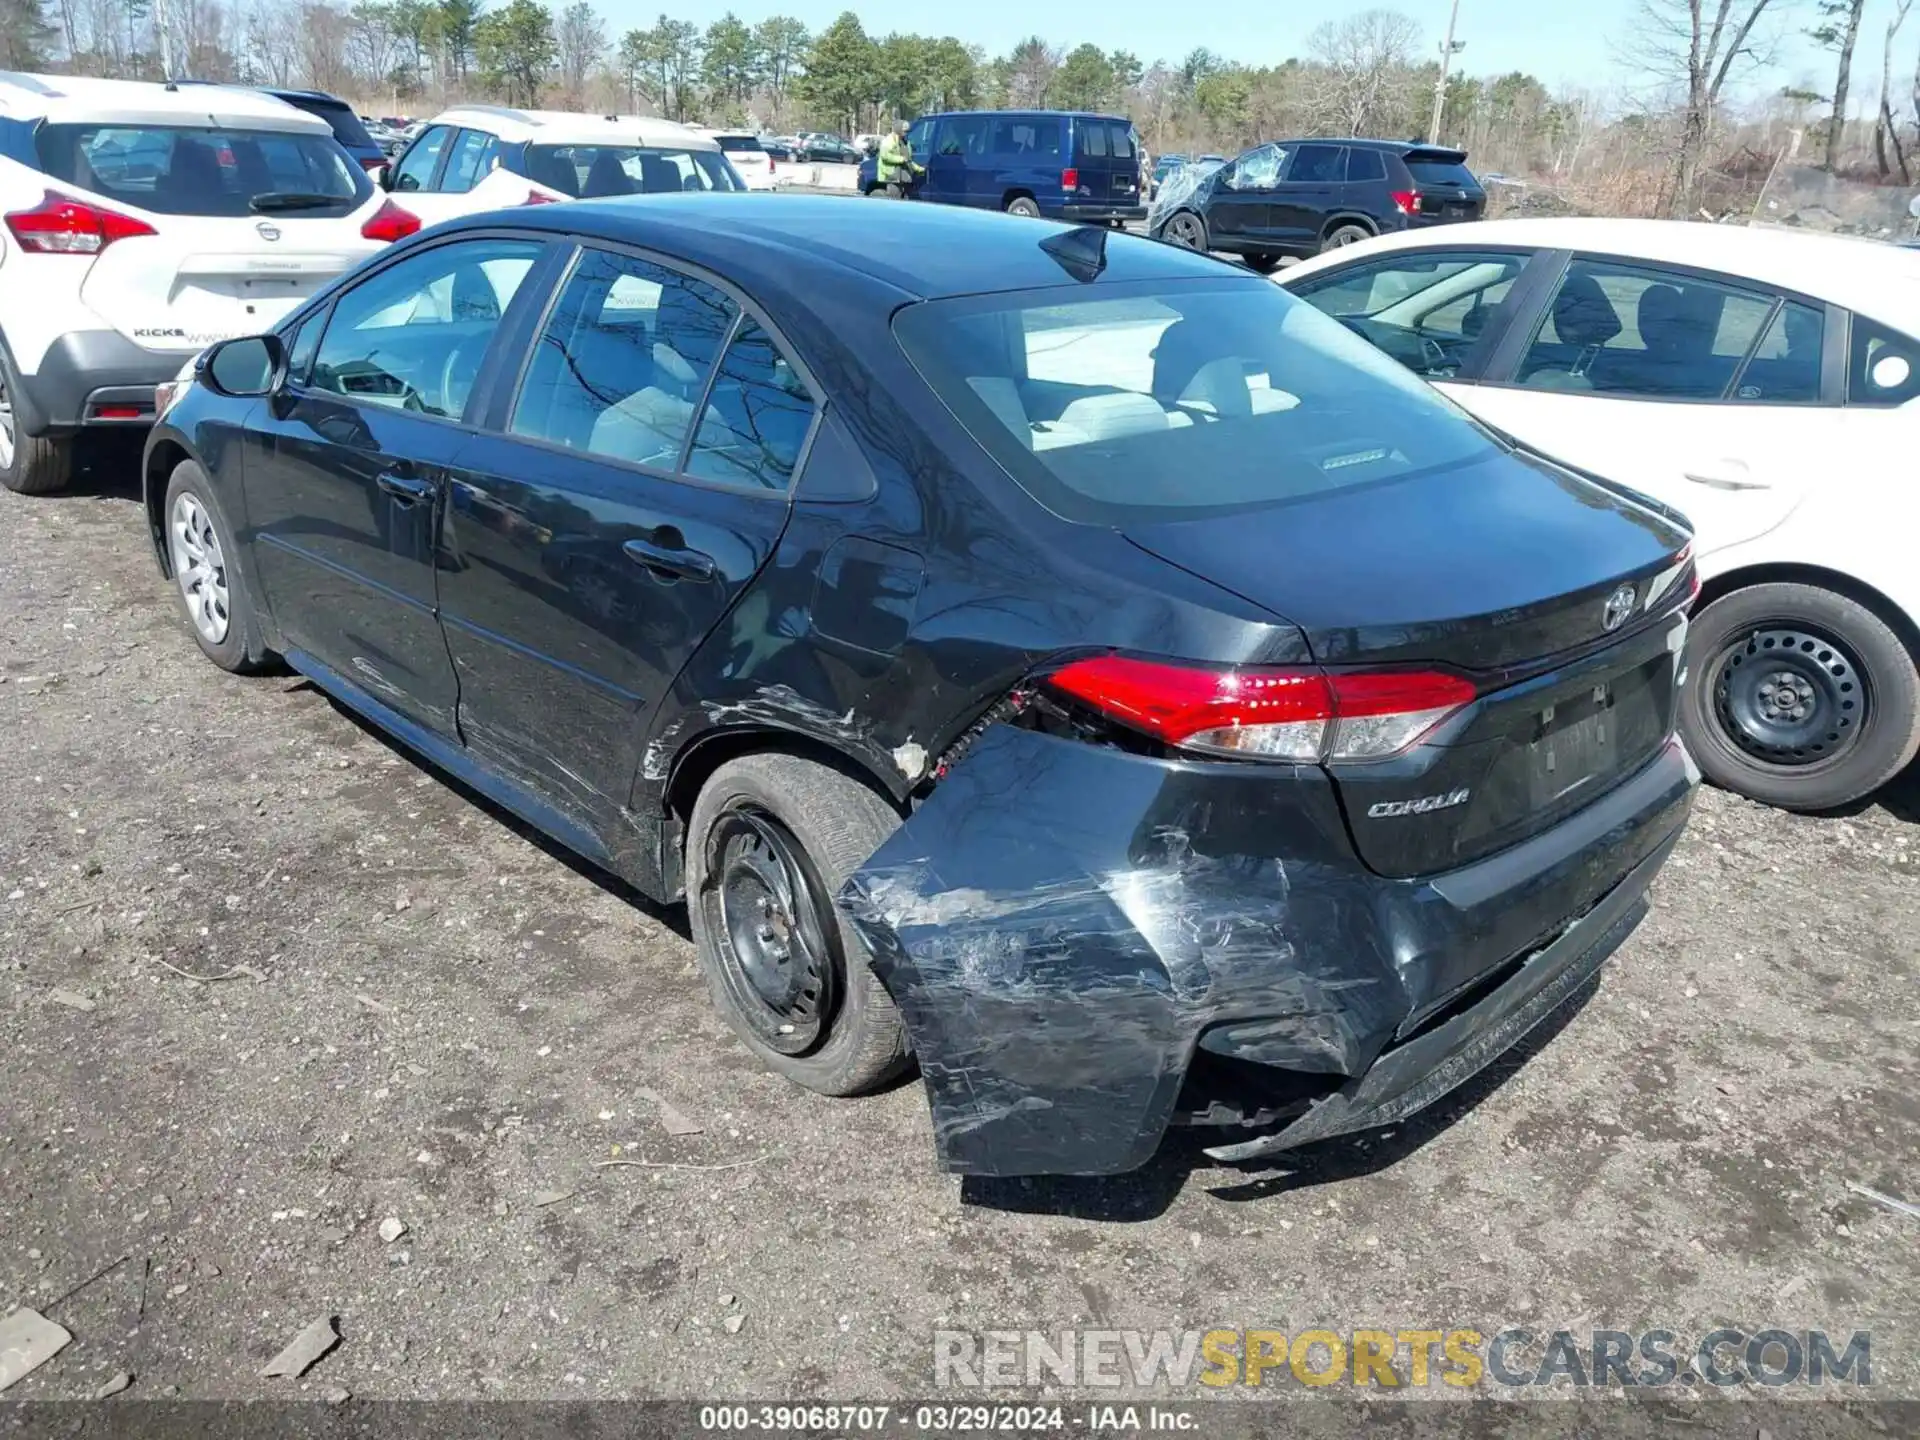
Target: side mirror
251	365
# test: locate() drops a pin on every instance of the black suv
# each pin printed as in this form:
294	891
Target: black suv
1299	197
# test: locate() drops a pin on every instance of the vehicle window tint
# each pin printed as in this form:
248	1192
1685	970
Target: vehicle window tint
623	361
1364	166
472	157
1120	134
413	335
1623	330
1319	165
1883	366
756	419
590	172
1028	136
415	171
1423	310
1196	398
203	170
1785	366
1093	138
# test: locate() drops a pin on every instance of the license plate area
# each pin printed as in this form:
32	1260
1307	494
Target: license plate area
1578	742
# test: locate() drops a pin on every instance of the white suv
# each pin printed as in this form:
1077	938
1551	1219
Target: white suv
486	157
141	222
747	155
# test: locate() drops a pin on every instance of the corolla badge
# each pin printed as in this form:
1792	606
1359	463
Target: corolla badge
268	232
1619	606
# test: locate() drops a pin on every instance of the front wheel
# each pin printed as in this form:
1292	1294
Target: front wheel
771	840
1187	230
213	593
1798	697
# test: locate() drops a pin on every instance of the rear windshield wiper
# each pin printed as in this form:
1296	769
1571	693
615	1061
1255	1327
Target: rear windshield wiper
274	200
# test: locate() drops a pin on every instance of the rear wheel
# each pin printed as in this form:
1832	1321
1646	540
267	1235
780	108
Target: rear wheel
1186	230
772	838
29	464
1344	235
1262	263
1025	206
1798	697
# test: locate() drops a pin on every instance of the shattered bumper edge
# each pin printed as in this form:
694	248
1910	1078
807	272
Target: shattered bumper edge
1413	1076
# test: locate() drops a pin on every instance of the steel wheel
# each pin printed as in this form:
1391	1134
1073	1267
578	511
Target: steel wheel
770	915
200	567
6	426
1186	231
1789	695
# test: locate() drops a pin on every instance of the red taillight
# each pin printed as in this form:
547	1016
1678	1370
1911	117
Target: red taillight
1408	201
537	196
1069	179
118	412
390	223
1293	714
373	162
61	225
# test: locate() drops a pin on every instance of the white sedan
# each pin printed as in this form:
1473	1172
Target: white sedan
1764	382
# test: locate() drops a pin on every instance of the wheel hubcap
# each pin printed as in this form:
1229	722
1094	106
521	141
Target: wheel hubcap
1789	696
1186	232
200	567
767	910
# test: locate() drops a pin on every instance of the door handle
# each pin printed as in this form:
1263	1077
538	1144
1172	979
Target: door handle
407	489
1726	475
670	558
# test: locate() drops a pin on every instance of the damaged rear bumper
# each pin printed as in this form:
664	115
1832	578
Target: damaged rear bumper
1064	927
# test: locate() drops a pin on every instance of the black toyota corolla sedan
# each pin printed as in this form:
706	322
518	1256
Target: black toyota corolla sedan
1060	660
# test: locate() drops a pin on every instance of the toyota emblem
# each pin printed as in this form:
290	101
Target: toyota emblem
1619	606
268	232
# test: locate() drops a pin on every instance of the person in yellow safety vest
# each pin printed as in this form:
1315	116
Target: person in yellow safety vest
894	168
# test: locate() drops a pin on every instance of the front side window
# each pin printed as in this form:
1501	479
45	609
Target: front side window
1883	366
189	170
623	361
1258	169
1618	329
415	171
757	416
473	156
591	172
413	335
920	137
1425	311
1179	399
1319	165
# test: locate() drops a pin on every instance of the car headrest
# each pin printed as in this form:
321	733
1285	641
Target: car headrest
606	176
1582	314
658	175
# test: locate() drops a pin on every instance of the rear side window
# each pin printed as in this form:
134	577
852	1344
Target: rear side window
180	170
412	336
1178	400
1319	165
1440	172
415	171
963	135
1028	136
1093	138
1883	366
757	416
1784	368
1120	134
1364	166
590	172
623	361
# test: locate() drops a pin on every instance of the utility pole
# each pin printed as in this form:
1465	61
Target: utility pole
1448	49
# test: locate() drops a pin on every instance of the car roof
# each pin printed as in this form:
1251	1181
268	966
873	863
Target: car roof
914	251
1035	110
1869	276
571	127
67	99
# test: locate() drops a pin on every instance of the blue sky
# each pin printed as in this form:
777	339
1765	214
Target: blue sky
1561	41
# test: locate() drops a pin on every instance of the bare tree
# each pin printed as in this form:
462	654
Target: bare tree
325	47
272	34
582	40
1839	30
1360	59
1886	130
1696	45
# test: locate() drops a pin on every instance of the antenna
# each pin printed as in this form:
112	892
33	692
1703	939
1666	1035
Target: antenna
1081	251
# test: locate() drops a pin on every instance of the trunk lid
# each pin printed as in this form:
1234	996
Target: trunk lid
1507	569
1448	190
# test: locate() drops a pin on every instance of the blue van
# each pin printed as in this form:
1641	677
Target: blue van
1064	165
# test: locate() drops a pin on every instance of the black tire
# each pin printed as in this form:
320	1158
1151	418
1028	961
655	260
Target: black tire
1262	264
1798	697
851	1039
1187	230
240	650
1025	206
37	464
1343	235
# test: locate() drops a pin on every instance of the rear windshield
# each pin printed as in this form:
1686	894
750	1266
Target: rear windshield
589	172
1171	401
347	127
184	170
1440	172
740	145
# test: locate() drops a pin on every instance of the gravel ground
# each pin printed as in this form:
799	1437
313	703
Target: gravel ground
409	1007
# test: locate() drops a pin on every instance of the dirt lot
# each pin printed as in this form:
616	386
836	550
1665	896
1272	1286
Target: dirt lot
440	1019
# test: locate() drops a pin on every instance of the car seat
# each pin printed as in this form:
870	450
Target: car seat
658	175
606	176
1583	319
